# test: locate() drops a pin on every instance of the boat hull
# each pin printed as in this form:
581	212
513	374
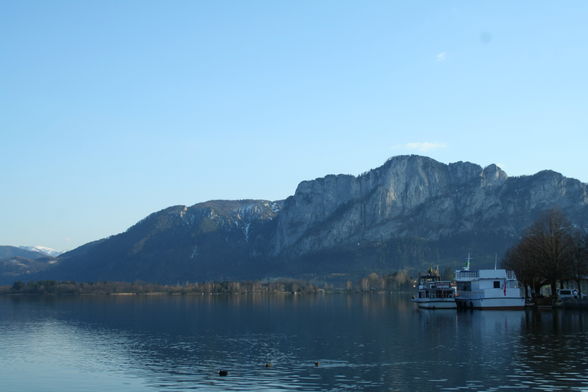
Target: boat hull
440	303
491	303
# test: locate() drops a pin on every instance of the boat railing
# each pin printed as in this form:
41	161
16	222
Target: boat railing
445	294
467	274
512	291
443	284
470	294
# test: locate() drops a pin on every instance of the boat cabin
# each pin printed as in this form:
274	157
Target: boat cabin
488	289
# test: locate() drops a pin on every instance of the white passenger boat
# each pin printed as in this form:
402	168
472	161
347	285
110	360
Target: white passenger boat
434	293
488	289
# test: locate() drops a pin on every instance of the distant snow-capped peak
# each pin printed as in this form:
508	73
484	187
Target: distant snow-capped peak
43	249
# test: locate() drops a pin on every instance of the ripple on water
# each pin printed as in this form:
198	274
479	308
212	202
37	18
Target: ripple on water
93	348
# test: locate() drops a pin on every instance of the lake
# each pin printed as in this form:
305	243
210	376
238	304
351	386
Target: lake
363	343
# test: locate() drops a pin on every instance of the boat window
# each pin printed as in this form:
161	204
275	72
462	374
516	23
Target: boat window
496	284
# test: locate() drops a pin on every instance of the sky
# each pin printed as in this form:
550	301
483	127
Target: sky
111	110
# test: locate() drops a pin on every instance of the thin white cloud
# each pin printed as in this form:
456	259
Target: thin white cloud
424	146
441	56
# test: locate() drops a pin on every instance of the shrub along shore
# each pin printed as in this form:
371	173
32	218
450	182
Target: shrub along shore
52	287
397	281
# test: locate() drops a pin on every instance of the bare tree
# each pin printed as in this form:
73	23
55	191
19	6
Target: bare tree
553	236
579	265
519	260
546	253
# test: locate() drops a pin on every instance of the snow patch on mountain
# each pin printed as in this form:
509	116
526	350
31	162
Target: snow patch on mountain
42	249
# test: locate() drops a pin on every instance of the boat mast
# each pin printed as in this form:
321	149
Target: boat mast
467	267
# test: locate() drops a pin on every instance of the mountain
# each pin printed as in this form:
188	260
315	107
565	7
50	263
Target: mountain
416	209
212	240
43	250
18	262
14	268
411	212
7	251
31	252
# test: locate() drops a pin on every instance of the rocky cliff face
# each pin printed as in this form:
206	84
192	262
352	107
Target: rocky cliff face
414	203
411	211
408	196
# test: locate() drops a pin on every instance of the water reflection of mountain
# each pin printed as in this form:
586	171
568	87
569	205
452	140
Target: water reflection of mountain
370	342
171	341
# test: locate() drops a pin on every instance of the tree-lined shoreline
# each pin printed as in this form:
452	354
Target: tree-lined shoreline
397	281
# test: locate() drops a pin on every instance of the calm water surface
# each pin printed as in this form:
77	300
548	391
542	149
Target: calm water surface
363	343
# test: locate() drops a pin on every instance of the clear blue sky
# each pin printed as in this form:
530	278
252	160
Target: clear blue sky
111	110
